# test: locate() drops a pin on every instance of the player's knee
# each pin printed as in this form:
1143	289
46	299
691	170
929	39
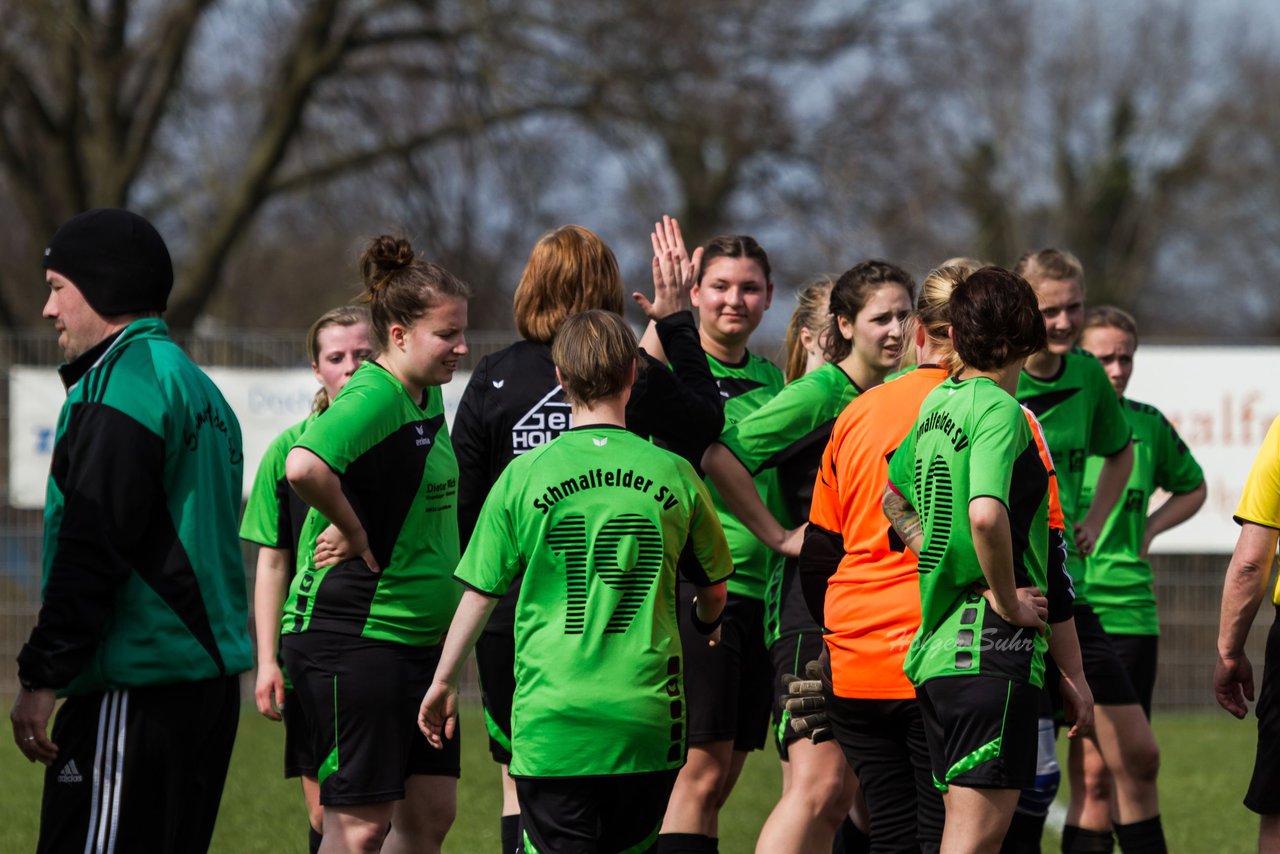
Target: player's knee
315	814
428	827
1143	762
360	837
833	806
825	796
701	784
1097	784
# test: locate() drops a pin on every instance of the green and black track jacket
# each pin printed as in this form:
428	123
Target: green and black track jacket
143	582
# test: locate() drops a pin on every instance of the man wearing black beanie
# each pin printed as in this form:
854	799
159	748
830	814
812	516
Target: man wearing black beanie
143	620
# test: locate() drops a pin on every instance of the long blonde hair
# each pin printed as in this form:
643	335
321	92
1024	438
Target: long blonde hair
811	312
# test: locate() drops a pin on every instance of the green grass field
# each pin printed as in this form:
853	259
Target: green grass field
1206	766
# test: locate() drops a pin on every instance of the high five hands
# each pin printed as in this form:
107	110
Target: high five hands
673	272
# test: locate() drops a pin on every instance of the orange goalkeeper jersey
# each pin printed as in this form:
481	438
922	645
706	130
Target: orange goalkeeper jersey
872	605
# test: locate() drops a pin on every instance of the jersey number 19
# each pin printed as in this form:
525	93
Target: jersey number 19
626	556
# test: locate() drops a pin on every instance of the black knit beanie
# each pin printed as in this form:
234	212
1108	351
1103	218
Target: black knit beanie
115	258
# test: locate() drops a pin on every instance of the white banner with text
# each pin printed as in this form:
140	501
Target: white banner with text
265	401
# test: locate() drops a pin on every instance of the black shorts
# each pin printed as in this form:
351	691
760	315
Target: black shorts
363	697
299	739
141	769
496	665
1103	669
884	742
789	654
1139	654
1263	796
729	687
593	815
982	731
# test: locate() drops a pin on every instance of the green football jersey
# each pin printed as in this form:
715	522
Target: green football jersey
746	387
1121	590
788	434
596	520
274	514
1081	416
972	440
398	470
266	514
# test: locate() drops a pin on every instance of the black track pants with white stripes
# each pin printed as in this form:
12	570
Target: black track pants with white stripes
139	769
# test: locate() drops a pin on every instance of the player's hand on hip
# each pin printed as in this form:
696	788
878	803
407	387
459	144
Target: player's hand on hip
1031	607
30	719
333	547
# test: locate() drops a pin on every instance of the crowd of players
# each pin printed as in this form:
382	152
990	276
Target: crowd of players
931	722
938	517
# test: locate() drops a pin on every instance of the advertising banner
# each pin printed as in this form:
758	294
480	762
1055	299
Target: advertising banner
265	401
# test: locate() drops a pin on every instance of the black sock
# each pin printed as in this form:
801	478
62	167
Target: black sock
850	839
313	840
687	843
1141	837
1023	836
1079	840
510	833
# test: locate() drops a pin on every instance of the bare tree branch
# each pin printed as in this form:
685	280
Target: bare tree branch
157	81
356	161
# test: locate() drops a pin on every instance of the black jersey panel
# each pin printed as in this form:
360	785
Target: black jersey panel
289	521
731	387
798	468
1042	403
1027	488
118	500
383	483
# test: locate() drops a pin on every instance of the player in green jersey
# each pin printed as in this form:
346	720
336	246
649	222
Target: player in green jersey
1069	392
863	343
729	686
338	343
969	494
1118	573
374	591
596	519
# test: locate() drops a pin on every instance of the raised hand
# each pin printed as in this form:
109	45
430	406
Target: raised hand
673	271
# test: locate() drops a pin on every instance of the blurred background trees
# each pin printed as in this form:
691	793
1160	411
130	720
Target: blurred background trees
268	140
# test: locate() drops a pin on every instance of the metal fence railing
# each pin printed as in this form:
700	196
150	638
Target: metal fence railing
1188	586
